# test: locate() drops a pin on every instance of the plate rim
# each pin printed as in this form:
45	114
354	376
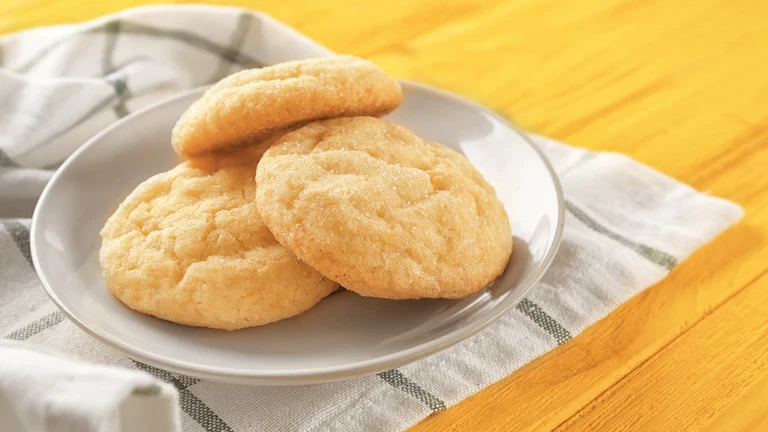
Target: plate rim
317	374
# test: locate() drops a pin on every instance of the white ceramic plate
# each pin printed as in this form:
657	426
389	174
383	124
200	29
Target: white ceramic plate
345	335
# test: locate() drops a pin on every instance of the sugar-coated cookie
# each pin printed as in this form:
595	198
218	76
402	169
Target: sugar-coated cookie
189	246
374	207
256	102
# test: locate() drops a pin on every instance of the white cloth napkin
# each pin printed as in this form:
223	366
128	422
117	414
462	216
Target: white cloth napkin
41	391
627	226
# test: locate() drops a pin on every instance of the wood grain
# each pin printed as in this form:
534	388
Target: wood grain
677	84
728	366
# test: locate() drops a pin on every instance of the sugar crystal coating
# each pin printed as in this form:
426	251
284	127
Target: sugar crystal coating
189	246
374	207
253	103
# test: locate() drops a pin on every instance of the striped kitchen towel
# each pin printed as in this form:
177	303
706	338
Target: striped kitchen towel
627	225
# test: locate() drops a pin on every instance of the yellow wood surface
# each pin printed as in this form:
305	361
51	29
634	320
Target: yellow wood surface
681	85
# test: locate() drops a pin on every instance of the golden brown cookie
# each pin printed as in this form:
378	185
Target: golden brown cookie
256	102
189	246
374	207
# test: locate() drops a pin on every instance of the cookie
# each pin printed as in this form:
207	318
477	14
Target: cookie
256	102
374	207
189	246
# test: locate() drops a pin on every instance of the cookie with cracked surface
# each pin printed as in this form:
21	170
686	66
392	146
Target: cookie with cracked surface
254	103
189	246
374	207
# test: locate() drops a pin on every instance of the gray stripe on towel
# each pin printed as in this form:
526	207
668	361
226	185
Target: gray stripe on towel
190	404
396	379
36	327
656	256
20	235
544	320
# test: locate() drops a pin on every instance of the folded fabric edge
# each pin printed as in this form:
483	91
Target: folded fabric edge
138	11
118	390
133	12
721	213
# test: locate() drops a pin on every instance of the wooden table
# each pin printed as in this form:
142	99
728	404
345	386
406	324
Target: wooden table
681	85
